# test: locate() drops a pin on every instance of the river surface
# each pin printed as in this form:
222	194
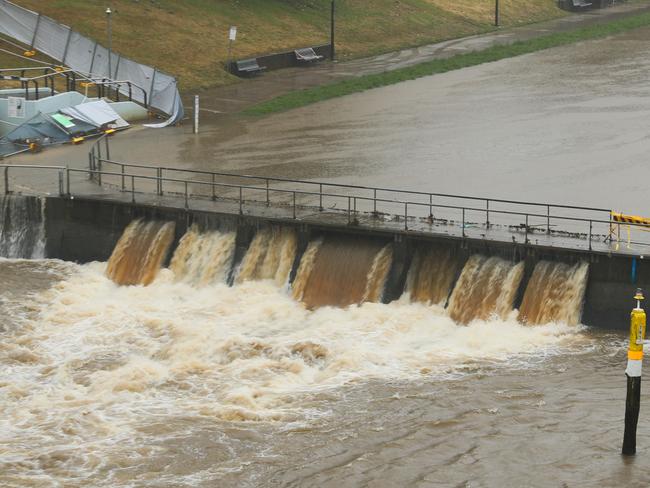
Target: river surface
172	385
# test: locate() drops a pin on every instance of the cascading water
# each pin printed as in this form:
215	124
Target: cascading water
342	272
432	275
486	287
270	256
203	258
140	252
555	293
22	227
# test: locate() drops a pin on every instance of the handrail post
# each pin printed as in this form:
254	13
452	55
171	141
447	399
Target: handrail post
241	201
349	209
160	181
214	195
294	205
526	231
67	180
123	183
132	189
406	215
431	207
108	150
374	201
320	193
463	231
99	172
61	191
6	180
268	201
548	219
487	213
187	203
590	227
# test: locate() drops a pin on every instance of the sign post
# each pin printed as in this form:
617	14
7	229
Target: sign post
232	35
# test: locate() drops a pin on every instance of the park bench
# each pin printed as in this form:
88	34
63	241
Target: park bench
249	66
307	55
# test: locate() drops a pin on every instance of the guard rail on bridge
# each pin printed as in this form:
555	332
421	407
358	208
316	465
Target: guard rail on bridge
531	223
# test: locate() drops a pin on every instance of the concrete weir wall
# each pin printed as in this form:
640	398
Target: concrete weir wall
85	230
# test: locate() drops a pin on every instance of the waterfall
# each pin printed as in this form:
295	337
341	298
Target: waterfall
22	227
140	252
342	271
486	287
431	275
555	293
270	256
203	258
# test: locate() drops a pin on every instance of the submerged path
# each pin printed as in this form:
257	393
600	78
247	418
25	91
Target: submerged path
239	96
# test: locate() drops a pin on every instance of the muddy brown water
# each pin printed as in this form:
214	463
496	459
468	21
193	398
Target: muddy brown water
170	385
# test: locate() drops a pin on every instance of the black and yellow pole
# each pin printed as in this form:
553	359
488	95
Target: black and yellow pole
633	373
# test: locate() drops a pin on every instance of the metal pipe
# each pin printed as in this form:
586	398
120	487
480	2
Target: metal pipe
123	182
187	203
320	192
67	181
214	196
241	201
6	180
133	189
268	201
294	205
487	213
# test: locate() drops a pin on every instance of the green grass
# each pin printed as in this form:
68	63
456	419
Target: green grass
496	53
188	38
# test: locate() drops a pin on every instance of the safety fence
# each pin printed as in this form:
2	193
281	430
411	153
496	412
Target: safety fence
70	80
544	224
88	57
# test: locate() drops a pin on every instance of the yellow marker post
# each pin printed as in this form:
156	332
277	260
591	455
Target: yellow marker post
633	373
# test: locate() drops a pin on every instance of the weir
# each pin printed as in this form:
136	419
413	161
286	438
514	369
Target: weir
22	233
343	270
326	265
139	253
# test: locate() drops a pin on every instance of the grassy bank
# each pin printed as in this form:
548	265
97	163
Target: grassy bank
338	89
188	38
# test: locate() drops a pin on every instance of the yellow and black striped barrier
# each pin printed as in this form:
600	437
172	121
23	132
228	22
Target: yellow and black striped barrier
633	373
627	221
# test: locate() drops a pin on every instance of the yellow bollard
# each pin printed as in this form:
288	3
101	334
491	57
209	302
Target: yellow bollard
633	373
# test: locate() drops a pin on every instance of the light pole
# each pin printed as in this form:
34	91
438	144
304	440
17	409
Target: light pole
110	41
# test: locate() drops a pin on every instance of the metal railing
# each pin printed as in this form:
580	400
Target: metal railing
564	226
105	87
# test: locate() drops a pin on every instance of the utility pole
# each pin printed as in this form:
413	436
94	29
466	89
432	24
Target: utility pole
332	26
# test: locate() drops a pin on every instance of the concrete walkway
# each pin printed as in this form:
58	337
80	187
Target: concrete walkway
237	97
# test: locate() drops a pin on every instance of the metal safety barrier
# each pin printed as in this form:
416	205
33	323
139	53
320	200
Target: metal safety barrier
531	223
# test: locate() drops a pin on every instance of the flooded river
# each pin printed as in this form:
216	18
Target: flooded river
178	385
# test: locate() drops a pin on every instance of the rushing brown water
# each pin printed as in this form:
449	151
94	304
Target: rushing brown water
343	271
140	252
554	293
204	258
270	256
486	287
175	385
432	274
